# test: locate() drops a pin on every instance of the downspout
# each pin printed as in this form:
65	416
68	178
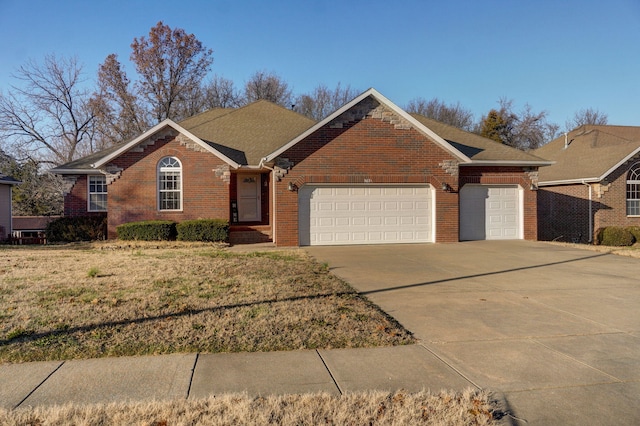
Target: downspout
590	212
273	201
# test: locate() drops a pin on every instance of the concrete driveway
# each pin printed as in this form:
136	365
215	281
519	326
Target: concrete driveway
555	330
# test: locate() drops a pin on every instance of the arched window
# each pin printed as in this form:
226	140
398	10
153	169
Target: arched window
169	184
633	191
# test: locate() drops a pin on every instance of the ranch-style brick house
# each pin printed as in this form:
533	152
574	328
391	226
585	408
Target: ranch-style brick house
369	173
593	183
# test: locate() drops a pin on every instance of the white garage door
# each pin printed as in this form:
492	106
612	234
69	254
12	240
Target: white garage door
490	212
333	215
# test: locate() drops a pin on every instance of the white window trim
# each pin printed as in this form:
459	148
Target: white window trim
635	170
158	191
106	193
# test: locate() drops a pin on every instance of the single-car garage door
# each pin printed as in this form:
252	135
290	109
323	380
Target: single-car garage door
364	214
490	212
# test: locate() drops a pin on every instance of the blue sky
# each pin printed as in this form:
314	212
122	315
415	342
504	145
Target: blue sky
556	55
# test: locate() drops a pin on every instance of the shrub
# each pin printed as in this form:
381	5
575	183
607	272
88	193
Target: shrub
82	228
203	230
635	231
616	236
148	230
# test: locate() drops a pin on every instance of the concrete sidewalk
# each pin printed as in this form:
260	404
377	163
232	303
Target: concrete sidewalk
193	376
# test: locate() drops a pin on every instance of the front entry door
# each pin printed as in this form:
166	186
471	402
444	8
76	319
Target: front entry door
249	198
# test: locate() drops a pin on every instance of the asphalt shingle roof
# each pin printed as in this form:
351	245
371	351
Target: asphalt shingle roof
591	152
250	133
245	135
476	147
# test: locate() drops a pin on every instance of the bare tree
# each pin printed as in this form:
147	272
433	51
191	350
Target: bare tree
587	116
269	86
119	114
323	101
48	117
453	114
221	93
170	66
525	130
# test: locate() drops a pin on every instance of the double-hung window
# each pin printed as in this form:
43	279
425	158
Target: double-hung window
633	191
97	193
169	184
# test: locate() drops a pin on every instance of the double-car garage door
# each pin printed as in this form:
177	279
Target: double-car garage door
368	214
365	214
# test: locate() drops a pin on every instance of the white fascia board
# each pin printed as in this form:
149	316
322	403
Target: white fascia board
380	98
157	128
57	171
569	181
131	144
10	182
540	163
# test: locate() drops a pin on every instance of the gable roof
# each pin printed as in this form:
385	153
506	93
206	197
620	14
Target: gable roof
471	149
479	149
588	154
239	136
249	133
381	99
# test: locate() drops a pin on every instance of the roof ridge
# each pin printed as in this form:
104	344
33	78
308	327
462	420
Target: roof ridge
450	126
231	109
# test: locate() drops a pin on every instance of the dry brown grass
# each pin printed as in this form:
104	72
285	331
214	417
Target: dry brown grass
470	407
632	251
110	299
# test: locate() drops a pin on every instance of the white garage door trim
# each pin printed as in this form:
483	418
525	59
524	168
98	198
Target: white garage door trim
491	212
365	214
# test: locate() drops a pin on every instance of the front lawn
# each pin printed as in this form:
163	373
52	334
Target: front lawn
116	299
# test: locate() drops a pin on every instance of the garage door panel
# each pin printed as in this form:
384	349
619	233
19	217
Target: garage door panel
490	212
364	214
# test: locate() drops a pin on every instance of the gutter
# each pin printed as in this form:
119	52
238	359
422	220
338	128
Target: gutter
273	202
590	211
531	163
57	171
569	181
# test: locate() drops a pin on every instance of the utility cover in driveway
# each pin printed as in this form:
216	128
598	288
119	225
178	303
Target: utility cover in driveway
490	212
364	214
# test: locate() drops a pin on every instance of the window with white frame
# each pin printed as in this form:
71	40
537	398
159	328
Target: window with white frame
169	184
97	193
633	191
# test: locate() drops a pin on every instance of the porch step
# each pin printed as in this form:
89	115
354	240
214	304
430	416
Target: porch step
249	234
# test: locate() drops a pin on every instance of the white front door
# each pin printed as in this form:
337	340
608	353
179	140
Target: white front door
249	198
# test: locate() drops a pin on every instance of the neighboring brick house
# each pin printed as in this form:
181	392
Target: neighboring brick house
369	173
31	226
6	182
594	182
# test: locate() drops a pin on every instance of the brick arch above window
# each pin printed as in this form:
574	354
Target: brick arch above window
633	190
170	184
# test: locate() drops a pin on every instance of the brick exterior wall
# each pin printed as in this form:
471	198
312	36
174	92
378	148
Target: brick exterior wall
76	200
522	176
133	195
563	210
374	148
